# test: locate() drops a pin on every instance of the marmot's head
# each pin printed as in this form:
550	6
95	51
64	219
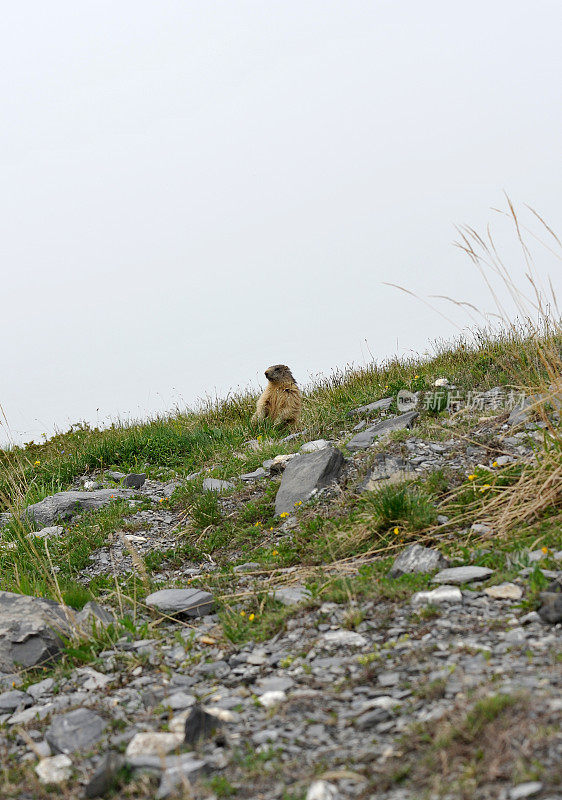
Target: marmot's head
279	374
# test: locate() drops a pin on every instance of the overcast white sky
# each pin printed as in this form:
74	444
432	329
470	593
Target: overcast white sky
191	191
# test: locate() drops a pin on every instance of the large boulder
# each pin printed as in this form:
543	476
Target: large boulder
29	630
367	436
65	505
306	473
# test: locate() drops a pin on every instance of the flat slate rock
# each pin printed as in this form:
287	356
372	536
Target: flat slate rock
254	476
10	701
77	730
504	591
443	594
28	630
65	505
379	405
306	473
134	480
193	602
417	559
367	436
458	575
386	469
216	485
291	595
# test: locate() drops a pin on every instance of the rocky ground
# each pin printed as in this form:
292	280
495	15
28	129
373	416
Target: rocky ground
446	689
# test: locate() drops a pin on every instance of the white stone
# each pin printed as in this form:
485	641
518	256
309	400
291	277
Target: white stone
344	638
317	444
270	699
55	769
440	382
523	790
322	790
504	591
444	594
151	743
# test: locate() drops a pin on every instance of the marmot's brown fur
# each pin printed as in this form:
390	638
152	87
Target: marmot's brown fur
281	402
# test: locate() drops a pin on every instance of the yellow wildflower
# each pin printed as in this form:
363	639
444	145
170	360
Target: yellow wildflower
416	377
396	531
242	613
252	617
298	503
495	464
284	514
37	463
544	550
486	486
275	553
472	477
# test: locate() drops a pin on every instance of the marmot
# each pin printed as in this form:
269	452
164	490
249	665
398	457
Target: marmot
281	402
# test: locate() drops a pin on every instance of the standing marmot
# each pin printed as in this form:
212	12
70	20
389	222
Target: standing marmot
281	402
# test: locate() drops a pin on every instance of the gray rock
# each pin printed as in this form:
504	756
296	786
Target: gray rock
114	476
65	505
444	594
305	474
9	701
179	701
520	414
366	437
47	533
254	476
77	730
387	469
292	436
551	607
417	559
200	725
28	630
41	688
248	566
104	777
193	602
344	638
378	405
458	575
134	480
322	790
5	518
54	770
178	773
292	595
312	447
522	790
216	485
93	614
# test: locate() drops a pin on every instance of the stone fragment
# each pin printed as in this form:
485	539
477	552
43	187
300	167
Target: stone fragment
312	447
279	463
386	469
444	594
273	684
29	628
41	688
55	769
77	730
366	437
9	701
551	607
200	724
179	773
291	595
94	615
305	474
417	559
51	532
344	638
179	701
248	566
114	476
322	790
65	505
269	699
458	575
134	480
254	476
105	774
216	485
193	602
522	790
152	743
504	591
379	405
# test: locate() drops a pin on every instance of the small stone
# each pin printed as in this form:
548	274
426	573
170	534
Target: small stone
480	528
249	566
216	485
504	591
134	480
114	476
9	701
322	790
254	476
179	773
200	725
379	405
278	464
179	701
366	437
273	684
54	770
193	602
344	638
105	774
304	475
269	699
47	533
551	608
94	615
444	594
458	575
77	730
292	595
312	447
523	790
152	743
417	559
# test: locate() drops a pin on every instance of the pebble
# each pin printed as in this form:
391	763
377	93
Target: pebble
55	769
